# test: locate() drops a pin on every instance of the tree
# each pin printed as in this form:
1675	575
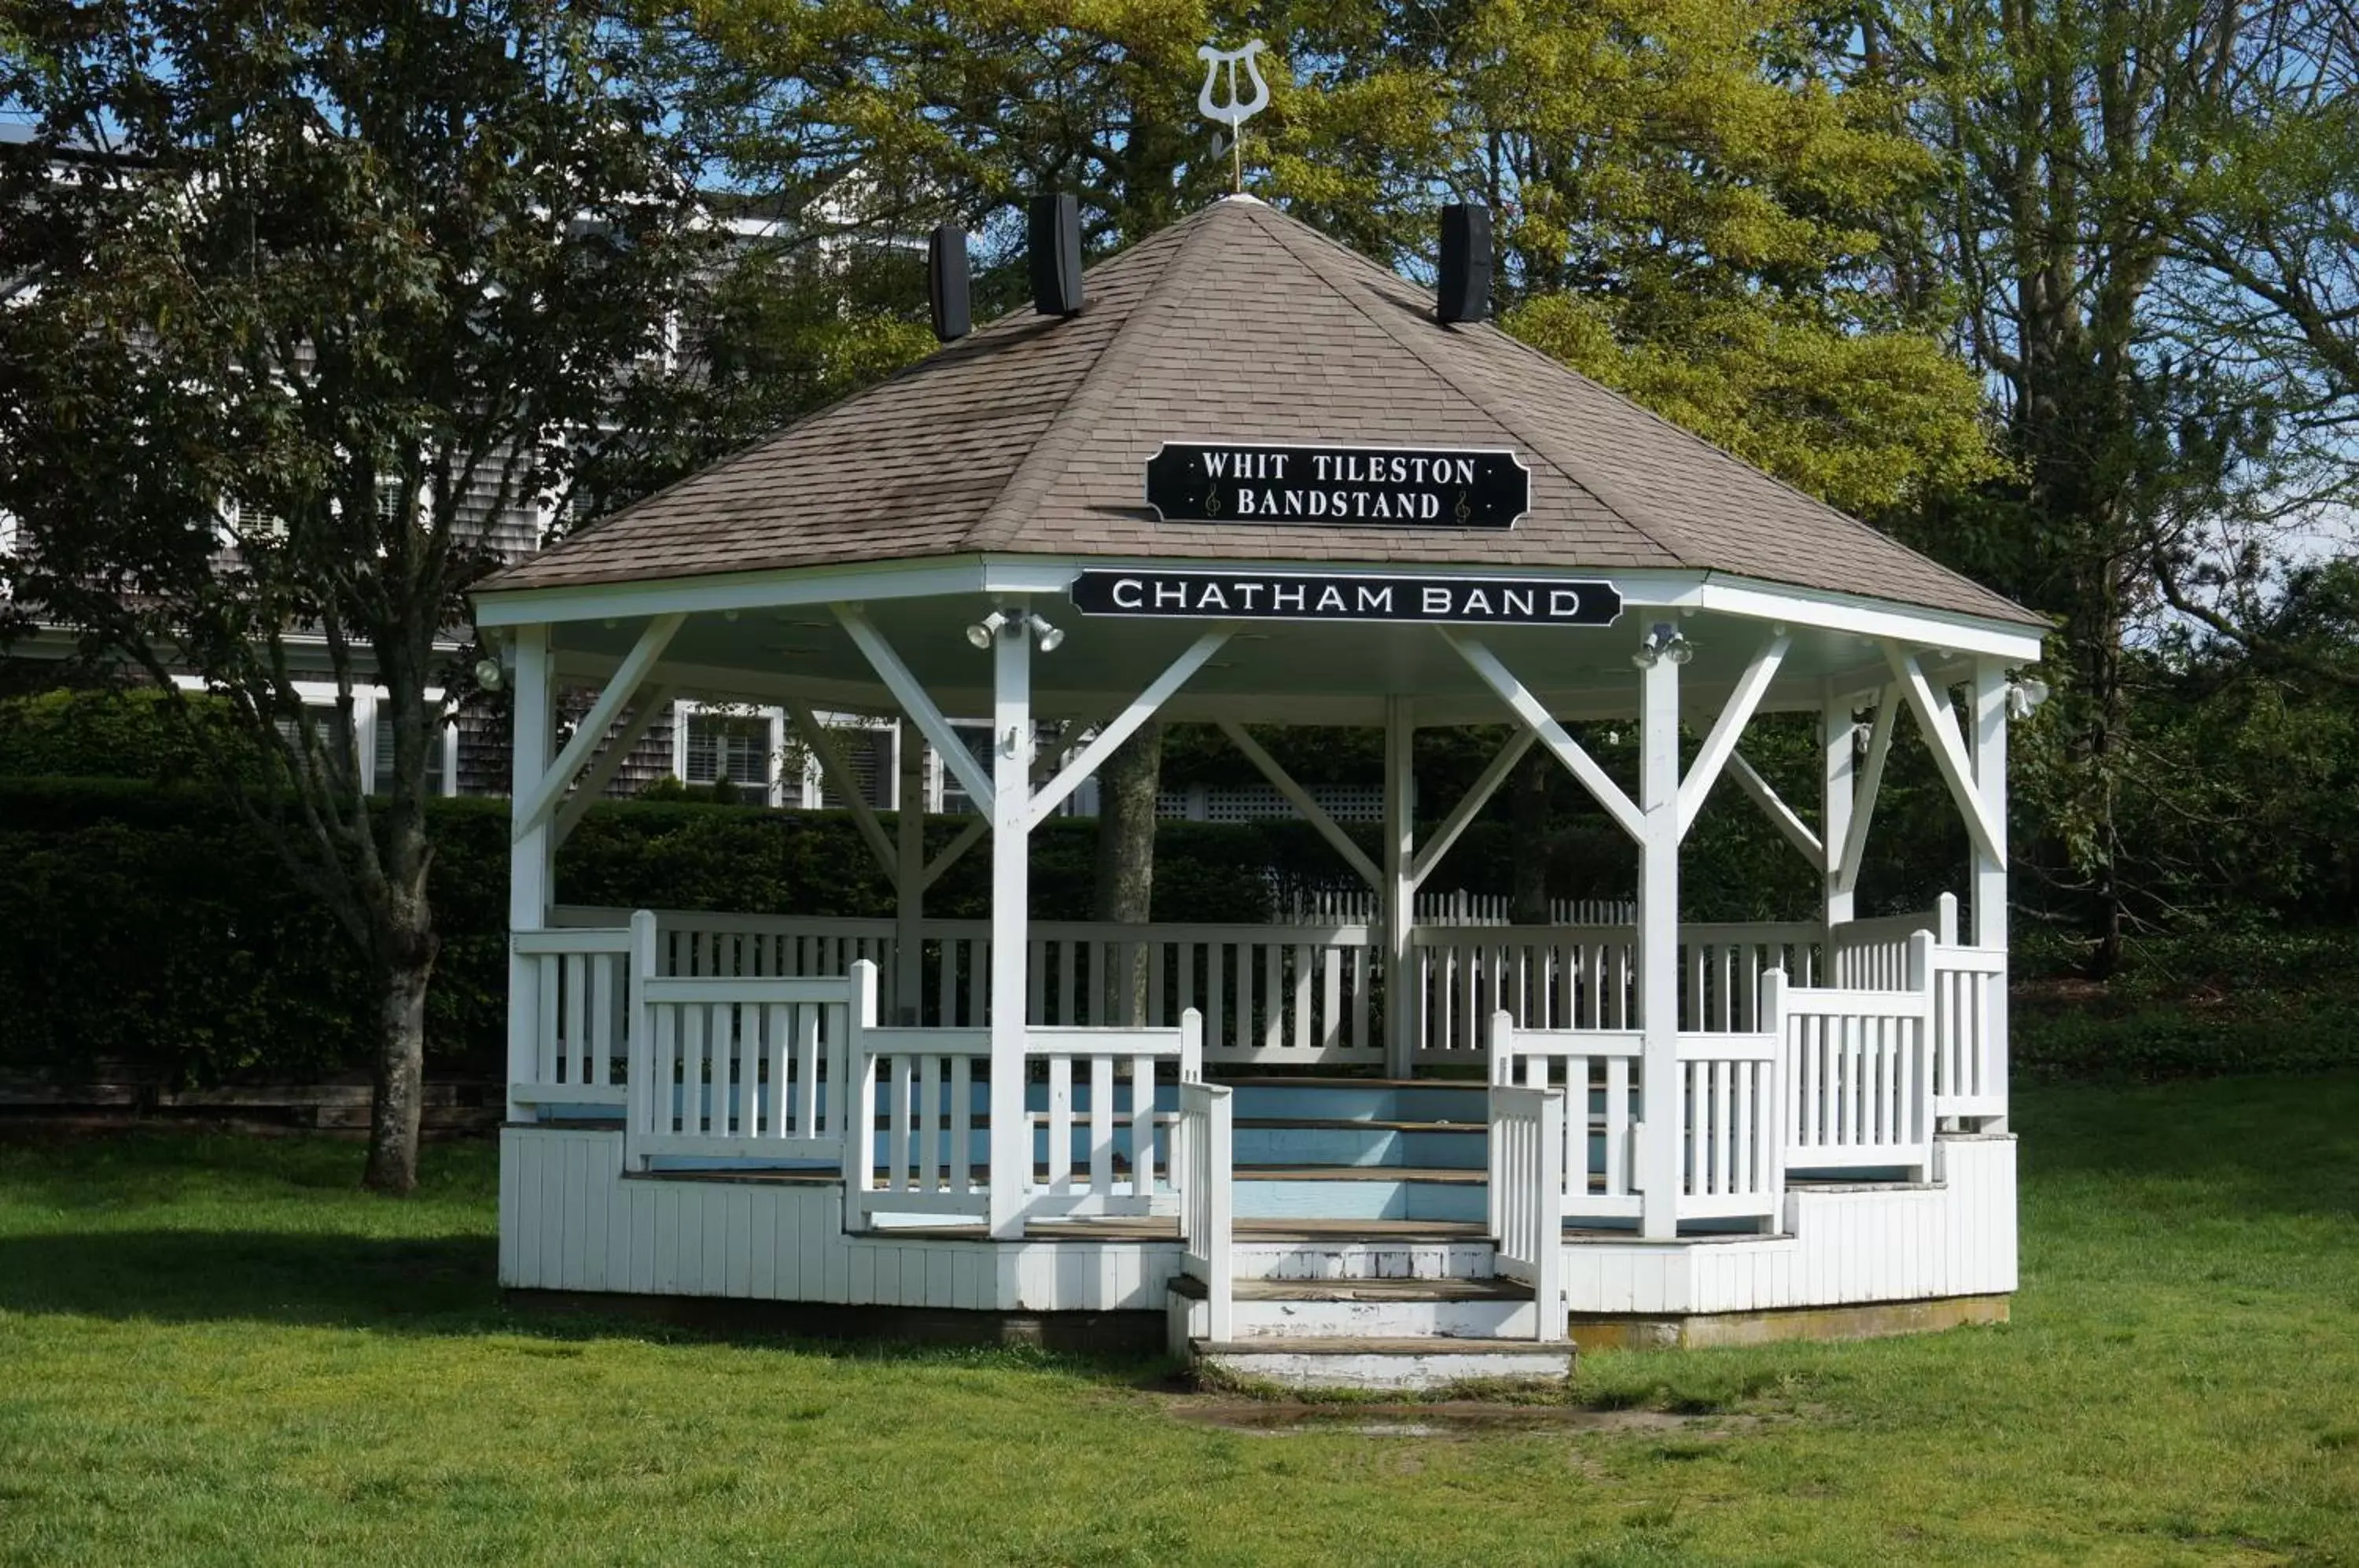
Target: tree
317	292
1691	204
2146	208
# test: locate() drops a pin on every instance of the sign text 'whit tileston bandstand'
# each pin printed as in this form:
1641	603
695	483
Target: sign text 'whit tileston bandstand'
1336	486
1254	595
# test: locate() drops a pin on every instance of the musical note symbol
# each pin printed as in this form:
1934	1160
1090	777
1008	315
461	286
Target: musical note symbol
1236	111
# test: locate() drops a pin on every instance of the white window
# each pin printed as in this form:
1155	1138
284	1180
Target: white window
956	801
372	737
868	755
438	749
740	744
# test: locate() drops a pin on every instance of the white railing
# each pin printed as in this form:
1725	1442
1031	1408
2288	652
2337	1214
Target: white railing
1266	993
931	1155
580	999
1598	1071
1097	1142
1103	1134
1271	995
1859	1072
737	1068
1586	977
1201	1169
1528	1142
1873	954
1731	1164
1969	1005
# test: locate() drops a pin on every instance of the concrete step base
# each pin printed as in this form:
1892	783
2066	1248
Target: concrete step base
1360	1309
1408	1365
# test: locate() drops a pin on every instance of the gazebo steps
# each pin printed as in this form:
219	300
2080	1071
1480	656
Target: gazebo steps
1412	1364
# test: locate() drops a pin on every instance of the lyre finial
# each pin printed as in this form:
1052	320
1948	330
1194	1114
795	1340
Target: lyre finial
1237	109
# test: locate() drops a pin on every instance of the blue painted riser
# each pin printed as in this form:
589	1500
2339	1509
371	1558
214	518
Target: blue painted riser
1283	1200
1346	1101
1361	1145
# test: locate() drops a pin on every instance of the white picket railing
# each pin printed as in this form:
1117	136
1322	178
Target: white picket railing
1528	1129
1297	994
1201	1169
1098	1143
1969	1001
1873	954
1598	1071
1270	995
1731	1162
1859	1072
579	1000
1100	1147
1587	978
739	1068
1361	906
932	1086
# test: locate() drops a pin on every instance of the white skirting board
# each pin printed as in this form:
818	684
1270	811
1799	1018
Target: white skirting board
1955	1238
568	1221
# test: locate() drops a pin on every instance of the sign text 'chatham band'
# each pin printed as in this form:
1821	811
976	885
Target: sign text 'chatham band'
1290	596
1336	486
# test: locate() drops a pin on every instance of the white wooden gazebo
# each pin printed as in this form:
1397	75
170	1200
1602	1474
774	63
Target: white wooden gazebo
1357	514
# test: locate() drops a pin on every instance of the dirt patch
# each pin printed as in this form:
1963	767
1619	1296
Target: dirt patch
1445	1417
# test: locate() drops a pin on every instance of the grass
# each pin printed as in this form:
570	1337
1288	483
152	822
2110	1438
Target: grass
217	1351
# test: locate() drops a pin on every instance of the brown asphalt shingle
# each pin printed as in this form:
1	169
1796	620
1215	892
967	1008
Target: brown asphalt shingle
1031	437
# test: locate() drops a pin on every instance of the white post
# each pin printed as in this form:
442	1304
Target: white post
528	856
1990	872
1657	1159
1404	1007
640	1110
1011	805
1841	752
909	874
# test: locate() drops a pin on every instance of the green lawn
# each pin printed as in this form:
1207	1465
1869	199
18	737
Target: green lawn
215	1350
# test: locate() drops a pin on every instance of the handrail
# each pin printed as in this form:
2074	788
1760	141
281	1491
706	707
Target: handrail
1527	1137
1200	1158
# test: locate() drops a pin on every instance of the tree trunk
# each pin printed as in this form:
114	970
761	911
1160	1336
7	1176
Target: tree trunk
400	1076
1528	807
405	948
1128	784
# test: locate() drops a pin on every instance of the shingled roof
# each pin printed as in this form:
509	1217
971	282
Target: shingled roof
1238	324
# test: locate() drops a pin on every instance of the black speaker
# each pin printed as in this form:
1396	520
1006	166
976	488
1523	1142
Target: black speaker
1056	254
946	283
1465	294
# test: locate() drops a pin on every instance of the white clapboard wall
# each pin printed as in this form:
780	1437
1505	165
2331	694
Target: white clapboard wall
570	1220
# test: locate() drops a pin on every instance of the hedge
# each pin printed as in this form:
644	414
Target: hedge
151	927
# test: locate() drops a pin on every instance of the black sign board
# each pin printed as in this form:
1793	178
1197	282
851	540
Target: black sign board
1336	486
1252	595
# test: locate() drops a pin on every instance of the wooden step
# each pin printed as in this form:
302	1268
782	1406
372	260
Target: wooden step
1375	1232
